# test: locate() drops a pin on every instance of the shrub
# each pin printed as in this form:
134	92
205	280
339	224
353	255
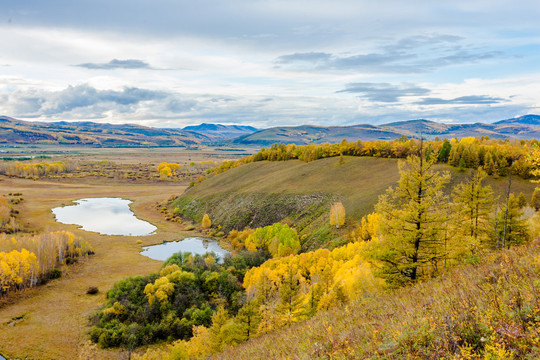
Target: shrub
92	290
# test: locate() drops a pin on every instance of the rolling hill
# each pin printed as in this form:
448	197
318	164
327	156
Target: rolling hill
14	131
221	132
261	193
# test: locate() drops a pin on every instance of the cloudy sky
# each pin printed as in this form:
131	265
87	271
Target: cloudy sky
266	63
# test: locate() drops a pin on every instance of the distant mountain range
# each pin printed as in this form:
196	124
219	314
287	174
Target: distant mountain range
14	131
524	127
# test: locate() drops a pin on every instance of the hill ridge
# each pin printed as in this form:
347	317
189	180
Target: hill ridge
524	127
87	133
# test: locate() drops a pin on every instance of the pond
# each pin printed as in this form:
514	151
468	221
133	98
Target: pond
2	358
194	245
107	216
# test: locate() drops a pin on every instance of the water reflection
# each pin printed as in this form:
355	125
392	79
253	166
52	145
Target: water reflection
194	245
107	216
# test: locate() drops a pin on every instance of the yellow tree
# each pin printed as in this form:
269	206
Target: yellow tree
174	167
534	160
206	222
337	214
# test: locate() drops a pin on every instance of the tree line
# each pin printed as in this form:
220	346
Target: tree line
36	169
494	156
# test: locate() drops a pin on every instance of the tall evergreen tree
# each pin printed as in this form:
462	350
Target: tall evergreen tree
412	221
444	153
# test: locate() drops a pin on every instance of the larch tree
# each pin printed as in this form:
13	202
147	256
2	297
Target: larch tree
511	227
473	204
337	214
412	223
290	304
249	319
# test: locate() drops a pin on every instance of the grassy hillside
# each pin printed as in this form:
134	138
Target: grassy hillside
261	193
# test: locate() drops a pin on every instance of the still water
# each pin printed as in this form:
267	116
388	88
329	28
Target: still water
194	245
107	216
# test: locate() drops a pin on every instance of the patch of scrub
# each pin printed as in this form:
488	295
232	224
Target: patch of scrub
193	245
106	216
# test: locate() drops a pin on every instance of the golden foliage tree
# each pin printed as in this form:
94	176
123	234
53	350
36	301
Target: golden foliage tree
168	170
367	230
278	239
290	288
533	159
206	222
337	214
32	169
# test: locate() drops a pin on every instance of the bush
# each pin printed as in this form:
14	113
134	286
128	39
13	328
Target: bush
54	274
92	290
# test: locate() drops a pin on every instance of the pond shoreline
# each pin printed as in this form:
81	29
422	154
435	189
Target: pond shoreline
195	245
104	215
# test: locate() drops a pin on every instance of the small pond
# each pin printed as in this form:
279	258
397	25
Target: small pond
194	245
2	358
107	216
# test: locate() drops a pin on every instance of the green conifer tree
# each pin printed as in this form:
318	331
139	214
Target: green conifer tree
535	199
412	219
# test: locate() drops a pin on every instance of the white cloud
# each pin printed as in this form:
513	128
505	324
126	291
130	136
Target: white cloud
217	61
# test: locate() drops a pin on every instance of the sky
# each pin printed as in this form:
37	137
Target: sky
265	63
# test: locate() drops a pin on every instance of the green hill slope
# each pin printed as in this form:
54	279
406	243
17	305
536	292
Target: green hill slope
261	193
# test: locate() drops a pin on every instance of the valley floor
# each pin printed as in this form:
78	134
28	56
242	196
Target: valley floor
54	323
